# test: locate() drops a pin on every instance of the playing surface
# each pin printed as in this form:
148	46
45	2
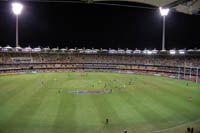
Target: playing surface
41	103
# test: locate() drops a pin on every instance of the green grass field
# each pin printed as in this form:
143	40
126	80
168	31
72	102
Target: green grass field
31	103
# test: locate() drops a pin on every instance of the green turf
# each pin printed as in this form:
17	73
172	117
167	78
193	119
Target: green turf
31	103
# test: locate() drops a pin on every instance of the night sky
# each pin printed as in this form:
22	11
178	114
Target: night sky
96	26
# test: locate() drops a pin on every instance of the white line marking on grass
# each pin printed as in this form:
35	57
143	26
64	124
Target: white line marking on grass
174	127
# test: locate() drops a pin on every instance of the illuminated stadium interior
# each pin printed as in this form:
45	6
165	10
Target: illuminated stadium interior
56	89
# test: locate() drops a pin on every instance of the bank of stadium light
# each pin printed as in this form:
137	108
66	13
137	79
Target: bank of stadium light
145	51
136	51
149	52
17	9
164	11
172	52
181	51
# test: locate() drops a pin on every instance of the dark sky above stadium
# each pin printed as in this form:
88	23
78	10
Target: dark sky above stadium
98	26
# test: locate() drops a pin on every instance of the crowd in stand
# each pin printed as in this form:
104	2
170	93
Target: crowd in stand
170	60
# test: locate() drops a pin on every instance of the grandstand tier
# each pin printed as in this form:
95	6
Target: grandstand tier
177	66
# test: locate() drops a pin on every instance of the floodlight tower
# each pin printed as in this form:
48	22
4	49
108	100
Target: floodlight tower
164	12
17	9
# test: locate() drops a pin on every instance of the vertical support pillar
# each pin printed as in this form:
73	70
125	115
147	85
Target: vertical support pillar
17	40
163	37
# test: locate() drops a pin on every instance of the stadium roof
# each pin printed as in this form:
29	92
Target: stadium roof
184	6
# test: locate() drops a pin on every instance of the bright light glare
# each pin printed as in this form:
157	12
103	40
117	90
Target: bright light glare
149	52
17	8
172	52
163	50
181	52
164	11
145	51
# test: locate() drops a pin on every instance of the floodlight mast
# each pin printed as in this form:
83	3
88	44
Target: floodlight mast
17	9
163	12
